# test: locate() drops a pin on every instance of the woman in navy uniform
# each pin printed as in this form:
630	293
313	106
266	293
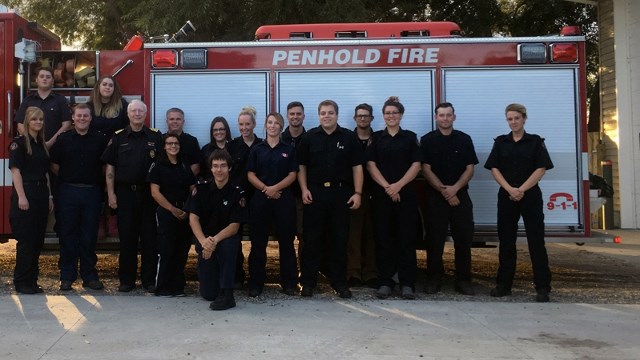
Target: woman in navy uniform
171	181
239	149
272	168
393	160
220	135
517	162
108	115
30	199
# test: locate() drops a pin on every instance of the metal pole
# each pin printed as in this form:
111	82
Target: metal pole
607	209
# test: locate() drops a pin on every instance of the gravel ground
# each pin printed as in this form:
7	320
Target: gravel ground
579	276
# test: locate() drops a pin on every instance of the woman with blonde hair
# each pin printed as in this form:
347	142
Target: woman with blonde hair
31	199
239	149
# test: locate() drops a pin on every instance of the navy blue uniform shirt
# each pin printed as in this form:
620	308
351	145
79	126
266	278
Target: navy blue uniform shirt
518	160
329	157
106	125
271	165
174	180
32	167
79	156
448	155
132	153
56	111
393	155
217	208
239	151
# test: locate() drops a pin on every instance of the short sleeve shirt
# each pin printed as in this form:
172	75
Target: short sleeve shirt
190	148
448	155
329	157
132	153
393	155
271	165
56	111
174	180
518	160
32	167
239	151
79	156
217	208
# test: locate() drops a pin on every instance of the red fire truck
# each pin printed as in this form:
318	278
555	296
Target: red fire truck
422	63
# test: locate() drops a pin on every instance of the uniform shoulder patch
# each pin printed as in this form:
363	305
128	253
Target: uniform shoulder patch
13	146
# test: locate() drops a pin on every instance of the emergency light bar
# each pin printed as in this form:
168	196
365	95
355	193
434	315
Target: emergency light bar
164	59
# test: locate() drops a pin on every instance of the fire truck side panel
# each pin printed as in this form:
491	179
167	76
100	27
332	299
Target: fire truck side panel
131	69
13	29
350	87
205	95
480	96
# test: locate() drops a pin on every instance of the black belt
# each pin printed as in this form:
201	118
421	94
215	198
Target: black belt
135	187
334	184
35	183
80	185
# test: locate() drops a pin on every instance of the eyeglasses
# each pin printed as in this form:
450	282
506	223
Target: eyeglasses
389	113
219	130
362	116
172	143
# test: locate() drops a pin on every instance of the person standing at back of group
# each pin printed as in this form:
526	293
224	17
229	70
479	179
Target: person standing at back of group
292	135
220	135
448	160
518	161
361	260
129	155
31	199
239	149
56	109
75	158
272	169
330	176
108	115
393	160
171	182
189	146
108	107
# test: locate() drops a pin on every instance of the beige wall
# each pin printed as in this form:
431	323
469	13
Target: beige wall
608	100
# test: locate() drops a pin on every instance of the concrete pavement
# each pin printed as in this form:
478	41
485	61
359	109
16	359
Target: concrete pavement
147	327
100	326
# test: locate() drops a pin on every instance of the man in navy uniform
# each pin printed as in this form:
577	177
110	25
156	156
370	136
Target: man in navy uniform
75	158
129	155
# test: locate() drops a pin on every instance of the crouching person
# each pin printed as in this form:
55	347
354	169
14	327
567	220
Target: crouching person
216	210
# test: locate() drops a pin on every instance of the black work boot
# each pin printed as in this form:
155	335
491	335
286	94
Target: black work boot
224	301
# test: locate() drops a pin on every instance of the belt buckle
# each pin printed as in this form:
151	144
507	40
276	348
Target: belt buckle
327	184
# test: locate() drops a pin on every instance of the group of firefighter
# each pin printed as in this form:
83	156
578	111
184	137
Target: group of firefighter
348	196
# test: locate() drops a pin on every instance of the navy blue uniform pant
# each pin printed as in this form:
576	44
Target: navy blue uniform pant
396	235
326	226
265	212
509	212
79	209
219	271
174	242
136	224
28	229
439	217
